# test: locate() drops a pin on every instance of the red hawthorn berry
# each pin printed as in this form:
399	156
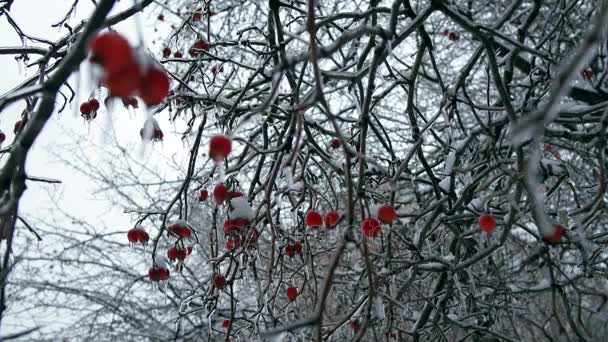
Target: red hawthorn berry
355	325
125	82
445	31
370	227
313	219
587	73
453	36
161	17
387	214
212	13
178	54
94	104
201	44
289	251
133	235
233	242
17	126
172	253
2	137
154	86
163	274
556	155
220	147
548	147
335	143
229	226
86	108
240	222
202	196
487	223
185	232
331	218
130	102
219	281
166	52
226	324
181	254
144	238
292	293
558	232
196	16
112	51
220	193
214	69
189	250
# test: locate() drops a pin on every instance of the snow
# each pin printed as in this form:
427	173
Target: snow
449	163
240	208
445	184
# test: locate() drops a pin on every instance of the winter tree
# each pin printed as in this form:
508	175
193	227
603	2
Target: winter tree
314	171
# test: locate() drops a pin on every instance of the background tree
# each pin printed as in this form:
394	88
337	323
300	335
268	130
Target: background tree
482	124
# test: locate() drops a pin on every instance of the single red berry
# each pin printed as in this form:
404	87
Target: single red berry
487	223
181	254
166	52
313	219
125	82
387	214
355	325
226	324
335	143
112	51
163	274
289	250
85	108
172	253
133	235
201	44
2	137
178	54
548	147
213	69
240	222
202	196
157	274
145	237
556	236
219	281
189	250
229	226
587	73
154	86
445	31
233	242
94	104
331	218
17	126
292	293
220	147
220	193
453	36
196	16
161	17
297	247
185	232
370	227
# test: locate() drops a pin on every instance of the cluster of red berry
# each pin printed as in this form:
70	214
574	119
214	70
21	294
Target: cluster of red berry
453	36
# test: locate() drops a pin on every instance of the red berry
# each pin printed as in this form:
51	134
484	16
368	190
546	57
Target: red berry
86	108
226	324
445	32
220	193
229	227
185	232
17	126
166	52
335	143
587	73
196	16
202	196
2	137
181	254
213	69
130	102
189	250
172	253
133	235
178	54
355	325
144	238
293	248
548	147
558	232
234	194
233	242
220	147
161	17
370	227
112	51
219	281
313	219
487	223
201	44
453	36
387	214
154	86
157	274
125	82
94	104
292	293
240	222
289	251
297	247
331	218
